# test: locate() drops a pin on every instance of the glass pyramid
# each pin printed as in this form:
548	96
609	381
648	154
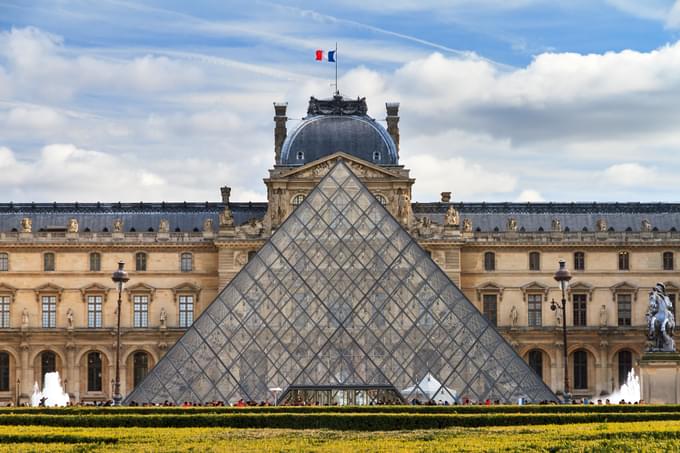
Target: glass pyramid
341	299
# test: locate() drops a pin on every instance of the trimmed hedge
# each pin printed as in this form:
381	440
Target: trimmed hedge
502	409
337	421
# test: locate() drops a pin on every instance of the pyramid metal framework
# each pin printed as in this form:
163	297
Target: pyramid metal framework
340	297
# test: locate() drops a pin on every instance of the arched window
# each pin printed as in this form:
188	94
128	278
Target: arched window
625	365
186	262
376	155
140	367
579	261
536	361
4	372
534	261
300	155
489	261
4	262
48	364
48	262
624	261
668	263
298	199
580	370
94	372
381	199
140	261
95	262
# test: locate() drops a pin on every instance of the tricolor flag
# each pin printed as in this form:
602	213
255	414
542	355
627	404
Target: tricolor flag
330	55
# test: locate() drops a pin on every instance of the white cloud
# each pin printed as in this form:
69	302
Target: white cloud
466	180
530	195
630	175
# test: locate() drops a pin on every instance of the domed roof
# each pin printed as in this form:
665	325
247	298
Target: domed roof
338	124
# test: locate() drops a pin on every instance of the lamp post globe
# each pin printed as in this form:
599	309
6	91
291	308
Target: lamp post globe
119	277
562	276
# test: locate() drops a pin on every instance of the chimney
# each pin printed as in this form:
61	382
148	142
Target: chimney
226	193
446	197
280	131
393	122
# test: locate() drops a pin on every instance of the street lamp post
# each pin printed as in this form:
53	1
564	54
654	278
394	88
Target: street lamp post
563	276
120	277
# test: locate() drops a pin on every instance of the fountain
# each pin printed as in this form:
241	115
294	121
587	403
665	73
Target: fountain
629	391
52	392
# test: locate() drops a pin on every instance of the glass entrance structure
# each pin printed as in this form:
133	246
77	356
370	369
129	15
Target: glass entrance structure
343	306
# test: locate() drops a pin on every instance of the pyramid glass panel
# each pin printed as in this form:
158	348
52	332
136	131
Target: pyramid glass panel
341	305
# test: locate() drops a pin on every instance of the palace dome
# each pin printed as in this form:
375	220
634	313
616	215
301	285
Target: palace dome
338	124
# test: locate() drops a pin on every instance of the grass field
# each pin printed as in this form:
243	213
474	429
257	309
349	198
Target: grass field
656	436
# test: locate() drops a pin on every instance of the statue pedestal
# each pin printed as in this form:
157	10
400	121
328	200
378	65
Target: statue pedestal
660	377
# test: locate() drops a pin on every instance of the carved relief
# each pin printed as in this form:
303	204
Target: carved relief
72	226
601	225
452	218
556	225
403	206
226	218
241	258
252	228
26	225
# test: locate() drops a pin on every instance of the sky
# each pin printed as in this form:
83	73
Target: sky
501	100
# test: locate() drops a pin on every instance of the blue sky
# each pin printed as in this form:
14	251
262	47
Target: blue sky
515	100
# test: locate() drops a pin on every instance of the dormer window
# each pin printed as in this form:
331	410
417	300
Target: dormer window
300	155
376	155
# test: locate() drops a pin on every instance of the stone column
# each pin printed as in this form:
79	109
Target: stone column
26	378
280	131
71	368
603	371
393	122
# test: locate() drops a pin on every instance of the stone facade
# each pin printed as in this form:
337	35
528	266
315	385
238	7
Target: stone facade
498	254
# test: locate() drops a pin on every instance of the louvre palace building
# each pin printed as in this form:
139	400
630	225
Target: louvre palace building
338	289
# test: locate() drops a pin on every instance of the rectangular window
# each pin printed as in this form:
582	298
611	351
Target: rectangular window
624	309
94	312
186	262
48	261
534	261
95	262
579	261
186	311
624	261
141	311
490	308
4	312
49	311
668	264
4	262
535	310
579	302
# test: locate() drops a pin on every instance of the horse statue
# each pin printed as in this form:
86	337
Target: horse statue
660	320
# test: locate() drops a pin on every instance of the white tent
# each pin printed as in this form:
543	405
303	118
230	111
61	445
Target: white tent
431	389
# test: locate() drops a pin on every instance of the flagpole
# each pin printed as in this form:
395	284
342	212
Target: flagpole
337	90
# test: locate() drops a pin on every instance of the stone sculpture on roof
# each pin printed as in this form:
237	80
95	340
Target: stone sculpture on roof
26	225
452	218
72	225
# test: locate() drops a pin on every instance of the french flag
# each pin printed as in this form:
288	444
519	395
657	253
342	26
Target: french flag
330	55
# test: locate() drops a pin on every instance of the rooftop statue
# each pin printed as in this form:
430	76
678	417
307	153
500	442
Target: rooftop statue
660	320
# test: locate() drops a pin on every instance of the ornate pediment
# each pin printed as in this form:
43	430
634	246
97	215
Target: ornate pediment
48	289
624	287
321	167
535	287
580	288
489	288
186	288
141	288
94	288
5	289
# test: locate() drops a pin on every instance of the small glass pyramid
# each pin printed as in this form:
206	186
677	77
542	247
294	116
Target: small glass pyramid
341	305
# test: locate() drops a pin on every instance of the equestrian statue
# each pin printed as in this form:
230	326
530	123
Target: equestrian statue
660	320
